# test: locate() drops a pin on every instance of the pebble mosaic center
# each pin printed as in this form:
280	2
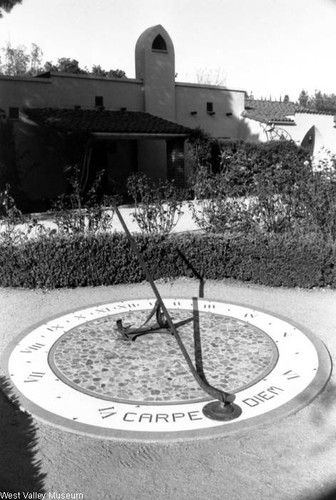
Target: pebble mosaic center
94	358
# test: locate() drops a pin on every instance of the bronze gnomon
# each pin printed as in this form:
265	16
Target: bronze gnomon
223	408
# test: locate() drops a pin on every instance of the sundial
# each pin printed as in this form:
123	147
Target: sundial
162	368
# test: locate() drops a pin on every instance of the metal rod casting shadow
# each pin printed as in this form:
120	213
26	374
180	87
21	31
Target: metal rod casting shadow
196	273
197	341
221	396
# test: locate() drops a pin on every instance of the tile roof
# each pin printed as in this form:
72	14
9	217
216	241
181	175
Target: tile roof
270	111
301	109
105	121
277	111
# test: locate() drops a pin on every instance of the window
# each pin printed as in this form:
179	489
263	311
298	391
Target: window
13	113
99	101
209	107
159	44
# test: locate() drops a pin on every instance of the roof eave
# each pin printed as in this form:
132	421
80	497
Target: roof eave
282	122
137	135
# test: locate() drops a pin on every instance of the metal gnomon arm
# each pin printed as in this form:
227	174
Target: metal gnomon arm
221	409
161	325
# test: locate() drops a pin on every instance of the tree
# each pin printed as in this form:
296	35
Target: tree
7	5
36	56
98	71
65	65
324	102
18	61
208	76
303	98
319	101
112	73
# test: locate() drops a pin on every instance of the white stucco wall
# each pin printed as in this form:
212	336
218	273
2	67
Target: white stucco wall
325	130
156	68
19	92
254	129
67	91
191	108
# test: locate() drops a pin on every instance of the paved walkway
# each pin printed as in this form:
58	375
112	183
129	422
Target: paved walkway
290	459
183	222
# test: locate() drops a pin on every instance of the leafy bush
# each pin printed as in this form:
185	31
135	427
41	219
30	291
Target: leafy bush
240	161
319	197
245	164
77	211
106	259
216	210
8	208
10	218
269	187
157	206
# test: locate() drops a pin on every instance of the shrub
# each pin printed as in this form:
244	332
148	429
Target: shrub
77	211
260	187
107	259
319	198
240	161
8	209
283	162
157	207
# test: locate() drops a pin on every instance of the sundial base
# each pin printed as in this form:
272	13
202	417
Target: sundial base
61	374
217	410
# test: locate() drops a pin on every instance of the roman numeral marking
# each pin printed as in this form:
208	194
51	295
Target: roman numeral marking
34	377
106	412
292	375
79	316
33	347
56	327
132	306
102	309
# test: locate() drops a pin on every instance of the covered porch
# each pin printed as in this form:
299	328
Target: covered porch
119	143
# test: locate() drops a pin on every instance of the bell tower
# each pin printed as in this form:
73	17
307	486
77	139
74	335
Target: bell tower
155	65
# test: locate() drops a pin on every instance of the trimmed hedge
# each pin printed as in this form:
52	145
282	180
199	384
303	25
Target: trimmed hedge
107	259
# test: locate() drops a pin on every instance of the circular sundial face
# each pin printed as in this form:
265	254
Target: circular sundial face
78	371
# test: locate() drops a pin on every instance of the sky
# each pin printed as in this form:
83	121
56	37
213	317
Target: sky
268	47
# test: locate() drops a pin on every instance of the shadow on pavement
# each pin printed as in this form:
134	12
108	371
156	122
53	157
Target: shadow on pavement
20	471
329	495
323	417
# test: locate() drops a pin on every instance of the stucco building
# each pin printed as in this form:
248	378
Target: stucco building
120	125
124	125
